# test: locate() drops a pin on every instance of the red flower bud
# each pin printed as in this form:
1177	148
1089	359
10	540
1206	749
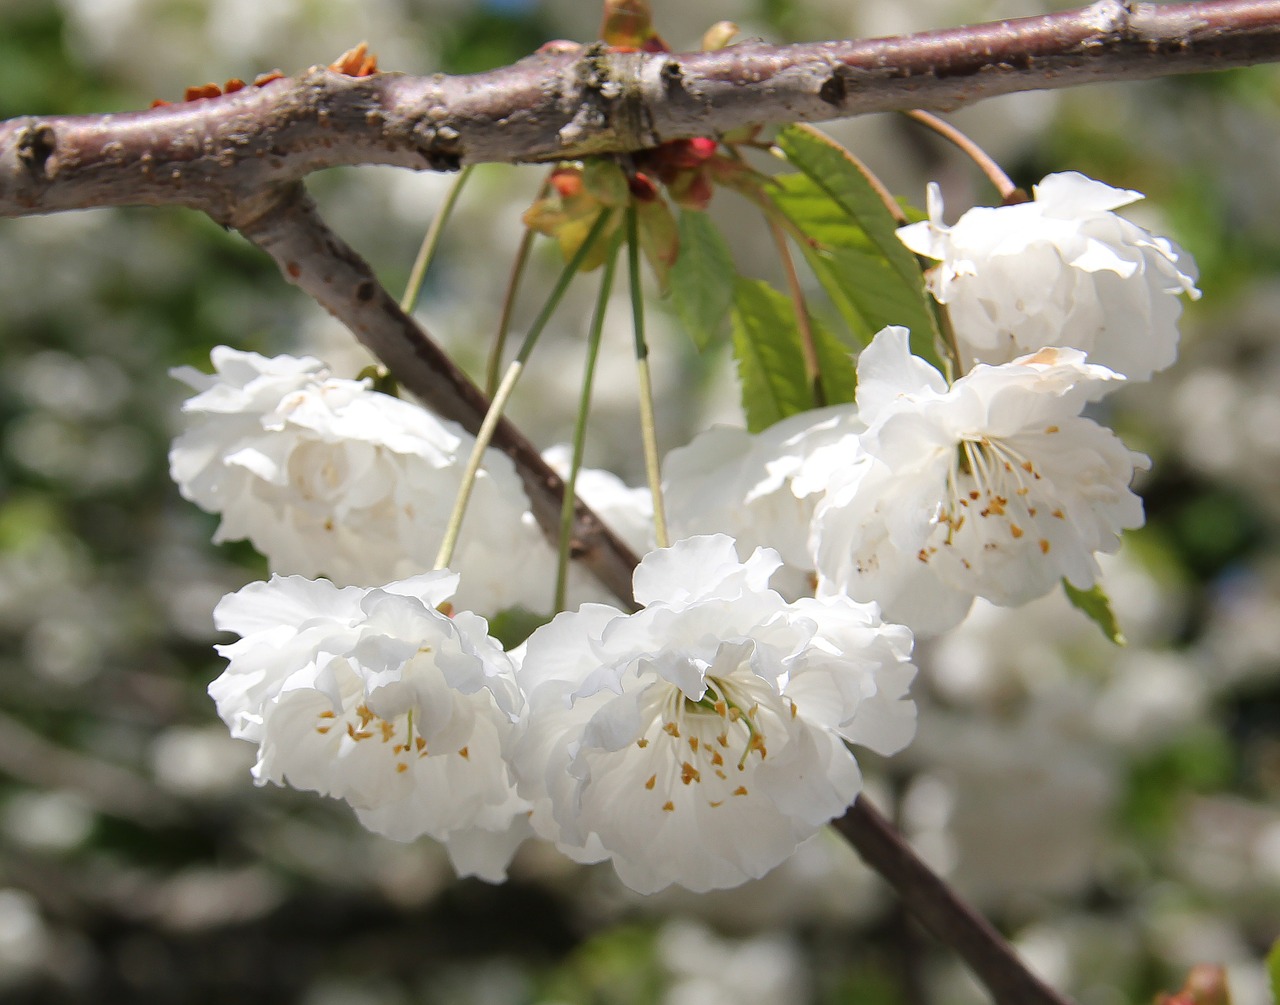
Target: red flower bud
642	187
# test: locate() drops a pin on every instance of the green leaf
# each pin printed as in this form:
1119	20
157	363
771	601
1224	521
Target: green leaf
861	283
702	280
838	372
766	344
1096	605
1273	971
512	626
876	273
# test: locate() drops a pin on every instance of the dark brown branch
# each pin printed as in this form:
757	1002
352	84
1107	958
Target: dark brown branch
217	154
313	257
940	910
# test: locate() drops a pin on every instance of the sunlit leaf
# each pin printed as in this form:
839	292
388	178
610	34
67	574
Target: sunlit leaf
766	344
861	283
702	281
878	278
1096	605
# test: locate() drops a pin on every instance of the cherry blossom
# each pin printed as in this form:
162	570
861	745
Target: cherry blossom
699	740
328	477
728	480
994	486
1062	270
373	696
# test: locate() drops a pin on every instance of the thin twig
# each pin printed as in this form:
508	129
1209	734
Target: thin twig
985	162
940	910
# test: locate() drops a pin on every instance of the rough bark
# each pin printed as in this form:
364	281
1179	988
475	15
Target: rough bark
219	154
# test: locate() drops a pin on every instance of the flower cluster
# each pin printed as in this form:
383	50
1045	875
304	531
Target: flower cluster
327	477
700	735
926	493
421	722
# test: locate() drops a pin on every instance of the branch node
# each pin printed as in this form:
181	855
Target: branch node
36	144
440	145
607	101
834	89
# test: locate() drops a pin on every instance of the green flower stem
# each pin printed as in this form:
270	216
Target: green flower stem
950	342
509	301
503	393
580	428
648	426
431	241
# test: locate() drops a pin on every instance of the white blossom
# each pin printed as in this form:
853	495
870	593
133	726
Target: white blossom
328	477
728	480
1062	270
373	696
627	510
994	486
701	739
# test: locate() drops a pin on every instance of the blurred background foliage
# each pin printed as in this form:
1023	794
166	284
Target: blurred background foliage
1117	812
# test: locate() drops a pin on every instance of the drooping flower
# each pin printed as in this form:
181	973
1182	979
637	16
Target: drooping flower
373	696
1063	270
994	486
328	477
701	739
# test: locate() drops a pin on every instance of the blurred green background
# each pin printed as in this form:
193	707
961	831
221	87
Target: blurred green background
1117	812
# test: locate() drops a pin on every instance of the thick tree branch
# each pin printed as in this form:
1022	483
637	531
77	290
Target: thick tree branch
217	154
314	258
